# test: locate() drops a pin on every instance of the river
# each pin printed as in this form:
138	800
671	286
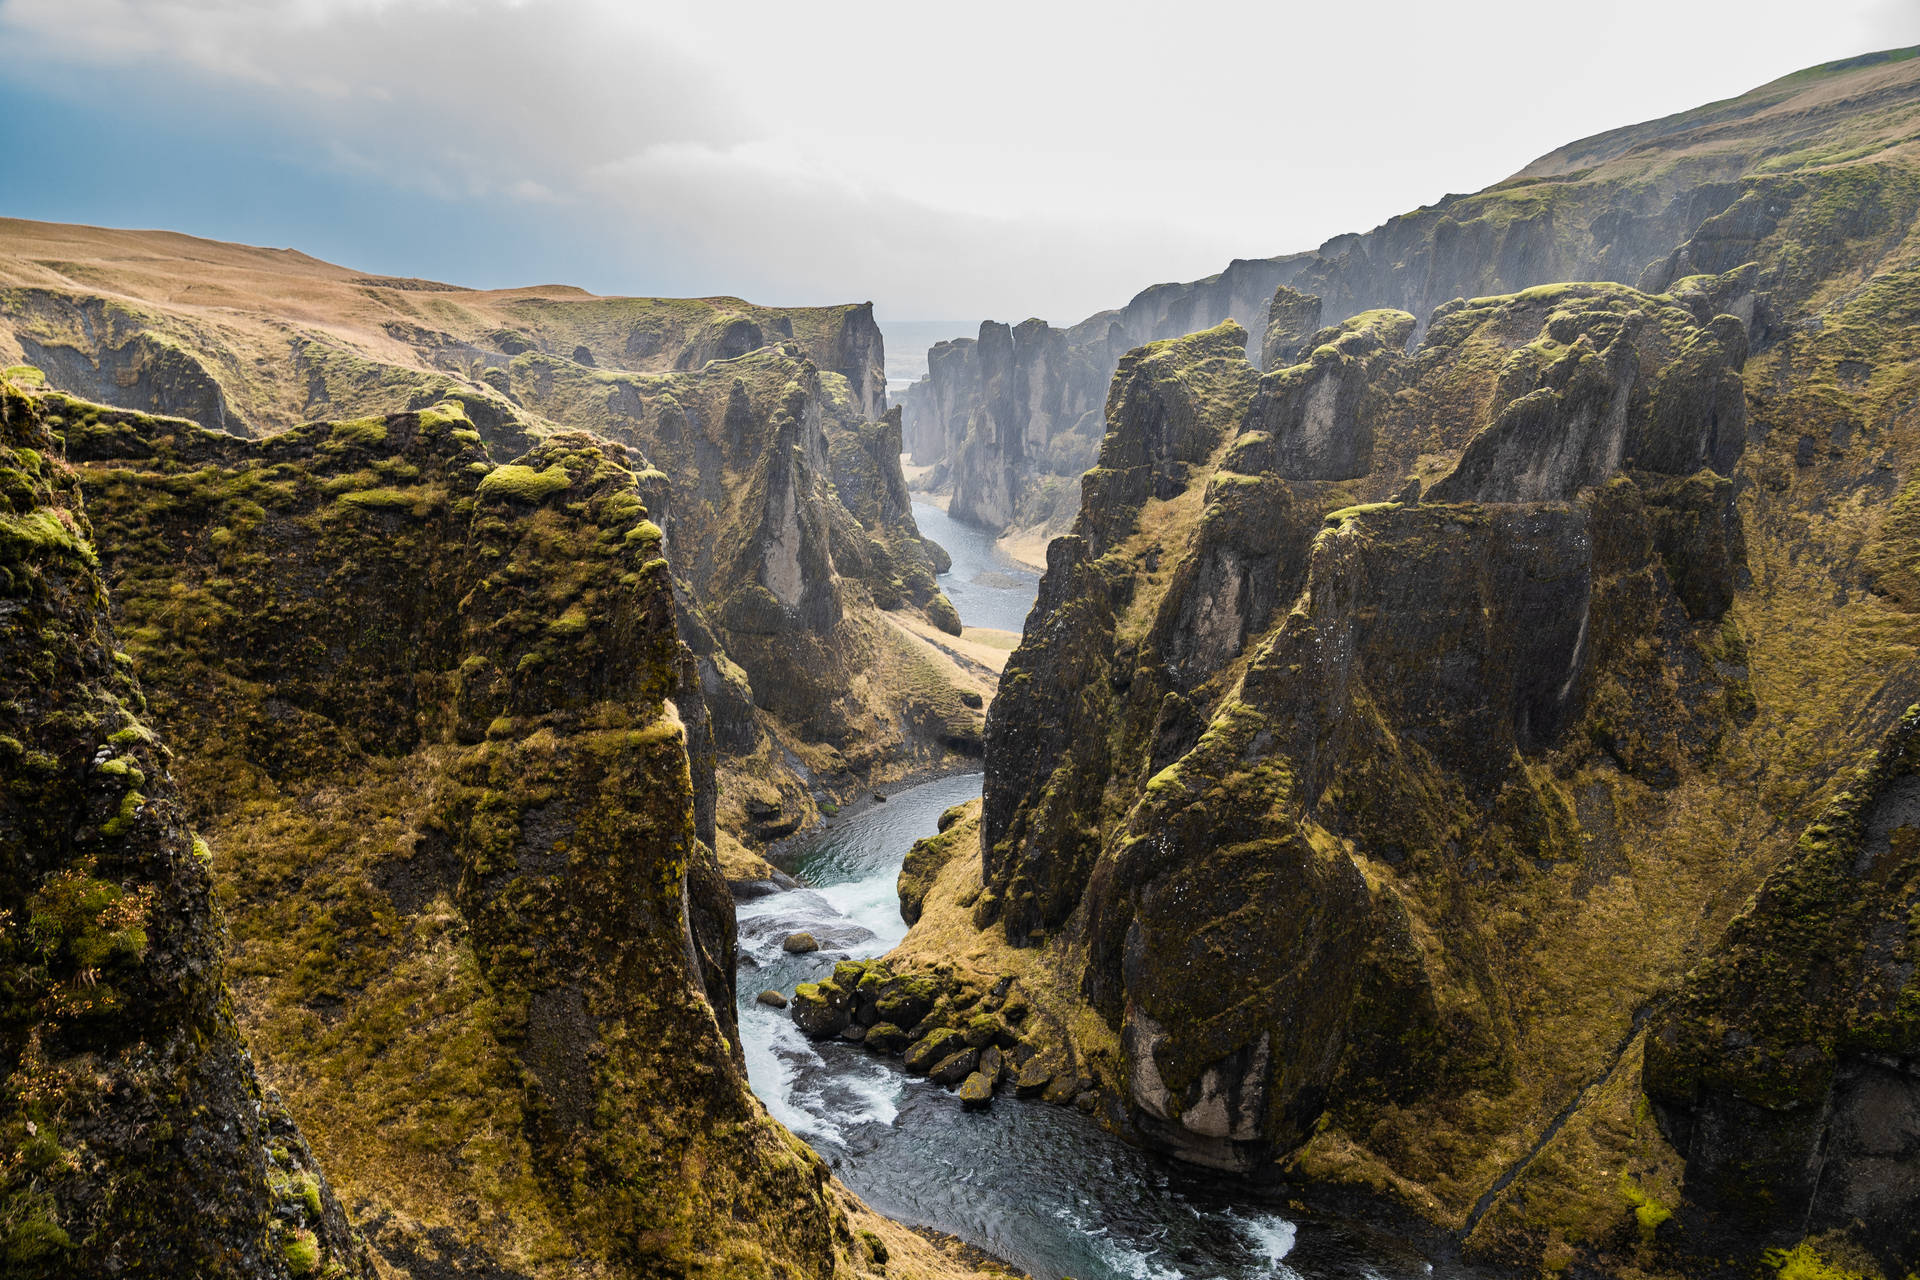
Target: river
1041	1186
988	587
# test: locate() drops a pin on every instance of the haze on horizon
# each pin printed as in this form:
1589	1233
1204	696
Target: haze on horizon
988	159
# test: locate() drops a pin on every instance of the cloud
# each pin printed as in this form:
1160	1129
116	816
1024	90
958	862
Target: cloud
999	158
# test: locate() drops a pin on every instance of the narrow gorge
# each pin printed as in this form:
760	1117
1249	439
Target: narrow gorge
1395	761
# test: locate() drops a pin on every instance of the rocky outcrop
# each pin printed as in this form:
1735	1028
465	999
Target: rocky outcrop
1787	1067
137	1138
440	734
1617	207
1370	690
782	579
1318	414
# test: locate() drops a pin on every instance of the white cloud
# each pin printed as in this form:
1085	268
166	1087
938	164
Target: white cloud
999	157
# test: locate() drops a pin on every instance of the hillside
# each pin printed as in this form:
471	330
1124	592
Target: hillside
755	421
1013	418
1467	762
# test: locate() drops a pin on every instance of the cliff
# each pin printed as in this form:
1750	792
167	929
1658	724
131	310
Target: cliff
1410	769
1014	416
434	720
259	340
137	1138
739	408
1013	421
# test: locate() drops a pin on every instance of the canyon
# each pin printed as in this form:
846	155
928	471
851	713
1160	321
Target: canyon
1453	789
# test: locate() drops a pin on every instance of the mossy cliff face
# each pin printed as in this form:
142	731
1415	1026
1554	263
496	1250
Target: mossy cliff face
1615	207
754	418
434	718
1377	701
137	1140
789	525
1785	1067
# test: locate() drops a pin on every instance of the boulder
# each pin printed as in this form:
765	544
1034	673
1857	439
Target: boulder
976	1092
820	1009
955	1067
991	1064
772	999
982	1029
930	1049
1033	1077
906	1000
941	613
799	944
885	1037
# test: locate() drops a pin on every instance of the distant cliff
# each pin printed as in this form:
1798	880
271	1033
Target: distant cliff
1013	415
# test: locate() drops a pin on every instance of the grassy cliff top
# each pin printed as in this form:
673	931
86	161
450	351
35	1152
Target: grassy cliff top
1854	108
267	335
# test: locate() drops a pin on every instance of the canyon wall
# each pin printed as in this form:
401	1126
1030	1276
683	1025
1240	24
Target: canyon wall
137	1137
1465	764
1009	420
752	419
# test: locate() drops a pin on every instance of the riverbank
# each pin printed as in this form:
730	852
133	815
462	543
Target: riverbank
1040	1185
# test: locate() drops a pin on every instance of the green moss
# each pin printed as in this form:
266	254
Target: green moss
524	484
30	1232
448	414
1807	1261
1647	1211
41	532
362	433
383	499
1344	514
124	817
302	1252
122	767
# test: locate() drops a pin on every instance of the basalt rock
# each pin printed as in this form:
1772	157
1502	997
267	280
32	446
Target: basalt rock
1290	757
976	1092
1293	318
1787	1067
138	1138
434	719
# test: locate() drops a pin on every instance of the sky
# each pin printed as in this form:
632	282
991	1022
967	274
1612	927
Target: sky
960	160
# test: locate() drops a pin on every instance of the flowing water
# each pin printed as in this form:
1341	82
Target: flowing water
987	586
1042	1186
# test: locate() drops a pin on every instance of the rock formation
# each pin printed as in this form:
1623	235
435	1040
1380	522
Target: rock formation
137	1139
433	717
1409	769
1010	424
784	516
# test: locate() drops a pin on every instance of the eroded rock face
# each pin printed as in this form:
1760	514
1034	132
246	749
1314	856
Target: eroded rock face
1787	1067
442	730
1016	414
1645	205
139	1140
1291	750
